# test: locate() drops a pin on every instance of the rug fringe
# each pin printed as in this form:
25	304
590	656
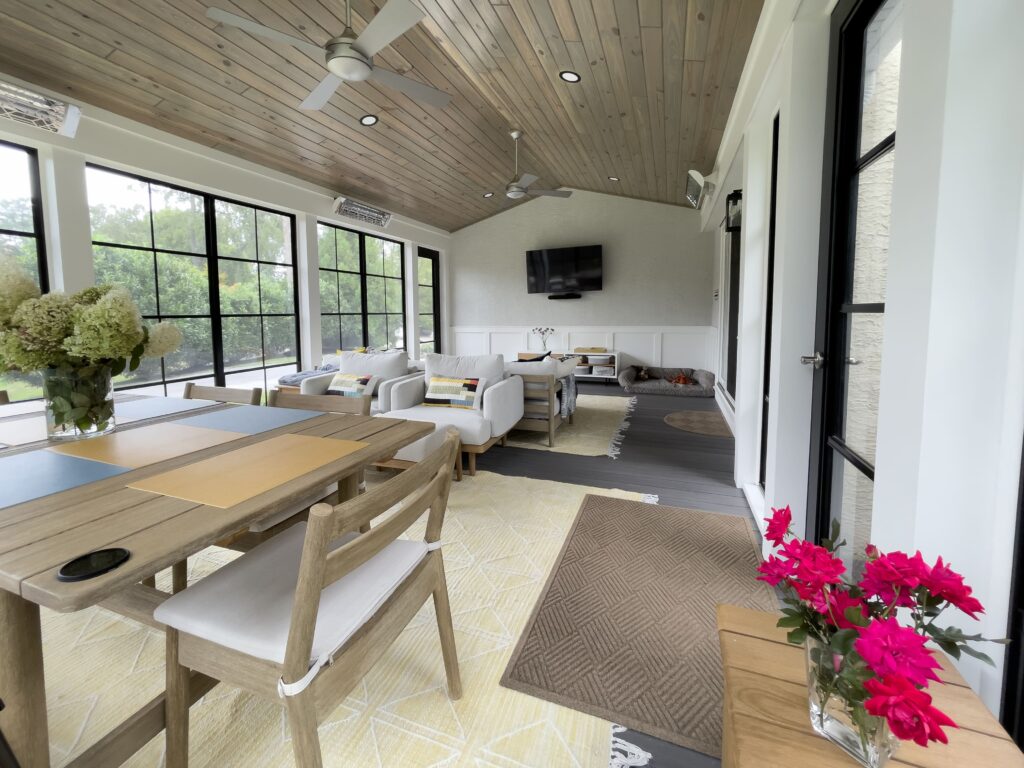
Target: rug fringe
651	498
624	754
620	433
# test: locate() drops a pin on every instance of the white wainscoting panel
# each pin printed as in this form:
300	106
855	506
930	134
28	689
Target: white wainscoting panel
682	346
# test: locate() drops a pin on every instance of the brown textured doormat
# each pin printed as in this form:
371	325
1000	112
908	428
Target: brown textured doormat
625	627
701	422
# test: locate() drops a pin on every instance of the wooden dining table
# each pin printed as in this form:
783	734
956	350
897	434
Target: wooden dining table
65	502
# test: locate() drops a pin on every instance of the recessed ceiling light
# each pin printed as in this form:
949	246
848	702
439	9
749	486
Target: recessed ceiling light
488	194
569	76
368	120
613	178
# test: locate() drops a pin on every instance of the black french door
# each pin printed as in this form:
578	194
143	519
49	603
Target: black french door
768	306
1012	714
860	155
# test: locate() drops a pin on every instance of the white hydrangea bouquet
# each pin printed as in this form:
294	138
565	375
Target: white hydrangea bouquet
78	342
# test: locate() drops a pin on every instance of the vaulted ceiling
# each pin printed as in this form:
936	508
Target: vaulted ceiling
658	80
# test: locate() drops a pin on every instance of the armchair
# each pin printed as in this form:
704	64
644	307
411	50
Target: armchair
501	409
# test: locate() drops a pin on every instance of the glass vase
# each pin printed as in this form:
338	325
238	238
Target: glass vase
79	402
865	738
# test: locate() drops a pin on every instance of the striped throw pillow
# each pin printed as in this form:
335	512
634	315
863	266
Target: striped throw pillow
352	384
446	392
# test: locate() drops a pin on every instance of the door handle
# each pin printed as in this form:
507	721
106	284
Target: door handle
817	360
853	361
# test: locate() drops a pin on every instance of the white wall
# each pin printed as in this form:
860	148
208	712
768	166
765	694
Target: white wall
793	85
116	142
949	458
657	267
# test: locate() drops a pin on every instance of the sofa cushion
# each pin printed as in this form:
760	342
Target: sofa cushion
448	392
491	368
247	604
473	428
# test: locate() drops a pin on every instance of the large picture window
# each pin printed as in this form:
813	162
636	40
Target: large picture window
362	290
428	279
223	272
21	238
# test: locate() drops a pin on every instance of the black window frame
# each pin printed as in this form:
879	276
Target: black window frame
364	313
434	257
213	257
39	235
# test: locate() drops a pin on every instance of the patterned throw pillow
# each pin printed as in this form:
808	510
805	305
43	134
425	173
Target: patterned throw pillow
446	392
352	384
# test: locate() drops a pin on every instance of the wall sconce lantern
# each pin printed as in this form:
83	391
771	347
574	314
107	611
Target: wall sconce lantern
734	211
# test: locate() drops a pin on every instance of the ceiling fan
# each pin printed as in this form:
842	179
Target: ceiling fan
520	185
350	58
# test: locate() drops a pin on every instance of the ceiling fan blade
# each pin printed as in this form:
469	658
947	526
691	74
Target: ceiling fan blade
411	88
526	180
549	192
320	95
253	28
390	23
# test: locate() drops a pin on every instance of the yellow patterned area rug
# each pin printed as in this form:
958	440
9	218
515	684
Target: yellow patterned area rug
597	428
502	536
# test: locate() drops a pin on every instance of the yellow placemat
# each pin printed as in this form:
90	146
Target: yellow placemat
236	476
141	447
23	431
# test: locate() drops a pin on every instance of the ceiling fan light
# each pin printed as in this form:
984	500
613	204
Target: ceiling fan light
349	67
514	193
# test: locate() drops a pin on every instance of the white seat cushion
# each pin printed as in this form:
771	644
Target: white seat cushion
247	604
423	447
473	428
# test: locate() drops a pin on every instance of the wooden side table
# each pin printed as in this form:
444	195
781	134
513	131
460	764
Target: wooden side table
766	723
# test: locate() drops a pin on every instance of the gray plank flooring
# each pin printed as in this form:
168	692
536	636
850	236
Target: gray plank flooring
682	468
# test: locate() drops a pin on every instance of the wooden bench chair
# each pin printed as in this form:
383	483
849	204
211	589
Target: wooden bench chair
302	618
195	391
360	406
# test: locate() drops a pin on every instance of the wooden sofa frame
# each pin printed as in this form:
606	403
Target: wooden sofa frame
541	412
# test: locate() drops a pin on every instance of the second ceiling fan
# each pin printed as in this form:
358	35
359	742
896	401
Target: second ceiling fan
520	185
349	57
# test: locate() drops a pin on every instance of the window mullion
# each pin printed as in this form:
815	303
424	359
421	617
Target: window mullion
213	273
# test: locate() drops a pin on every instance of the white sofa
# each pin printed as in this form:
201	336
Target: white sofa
502	404
392	367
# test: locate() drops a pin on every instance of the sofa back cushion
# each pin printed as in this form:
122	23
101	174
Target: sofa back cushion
489	368
383	365
451	392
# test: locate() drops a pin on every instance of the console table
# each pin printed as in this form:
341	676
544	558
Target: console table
765	720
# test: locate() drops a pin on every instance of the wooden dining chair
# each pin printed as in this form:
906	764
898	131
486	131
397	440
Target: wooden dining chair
4	399
360	406
302	618
195	391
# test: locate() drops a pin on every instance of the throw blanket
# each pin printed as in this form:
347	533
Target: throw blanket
568	400
295	379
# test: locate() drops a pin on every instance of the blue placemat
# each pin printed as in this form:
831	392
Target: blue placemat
32	475
155	407
249	419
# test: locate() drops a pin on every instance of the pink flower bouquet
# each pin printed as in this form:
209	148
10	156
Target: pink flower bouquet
868	672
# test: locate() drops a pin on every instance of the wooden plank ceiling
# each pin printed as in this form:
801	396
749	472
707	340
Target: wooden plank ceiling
659	78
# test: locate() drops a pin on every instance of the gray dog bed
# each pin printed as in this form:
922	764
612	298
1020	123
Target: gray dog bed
659	382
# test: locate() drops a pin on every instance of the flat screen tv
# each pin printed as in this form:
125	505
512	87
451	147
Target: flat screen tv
564	270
